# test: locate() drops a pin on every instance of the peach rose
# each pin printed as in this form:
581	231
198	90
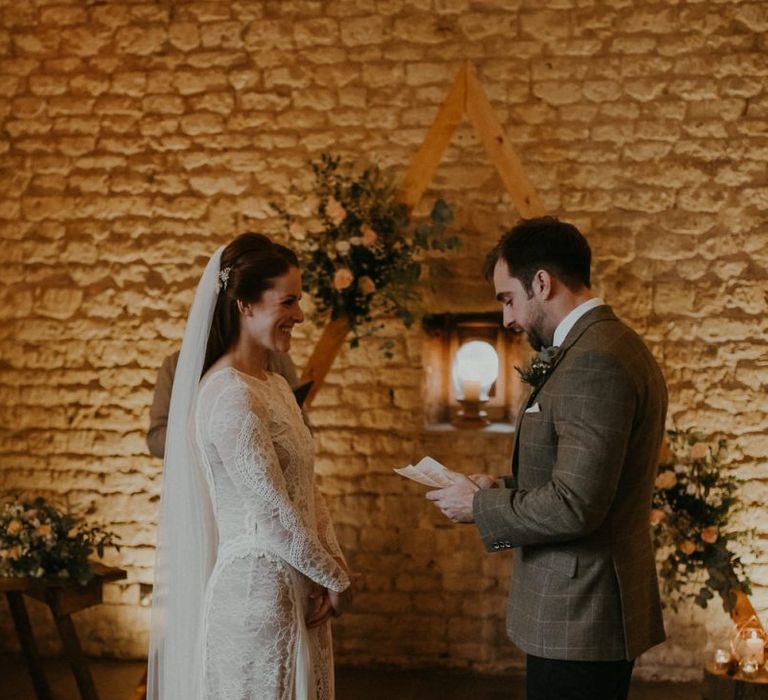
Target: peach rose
699	451
297	231
342	279
657	516
335	211
687	547
666	480
709	535
44	530
369	236
14	527
366	285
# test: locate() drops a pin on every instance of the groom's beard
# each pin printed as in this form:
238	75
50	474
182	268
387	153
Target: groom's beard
538	337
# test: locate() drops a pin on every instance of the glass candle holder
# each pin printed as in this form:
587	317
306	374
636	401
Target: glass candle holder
722	659
749	667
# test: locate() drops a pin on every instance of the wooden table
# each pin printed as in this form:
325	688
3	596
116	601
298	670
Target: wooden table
719	685
62	599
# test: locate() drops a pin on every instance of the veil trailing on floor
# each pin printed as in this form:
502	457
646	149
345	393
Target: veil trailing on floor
187	536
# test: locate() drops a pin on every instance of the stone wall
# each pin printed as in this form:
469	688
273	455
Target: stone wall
138	135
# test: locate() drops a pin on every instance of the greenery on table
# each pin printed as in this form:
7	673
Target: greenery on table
41	540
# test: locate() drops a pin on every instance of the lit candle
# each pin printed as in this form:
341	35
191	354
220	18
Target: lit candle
722	659
756	648
471	390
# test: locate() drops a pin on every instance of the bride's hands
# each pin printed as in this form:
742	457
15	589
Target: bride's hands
341	602
318	608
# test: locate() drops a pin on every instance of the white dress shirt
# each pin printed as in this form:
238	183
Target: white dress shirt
564	327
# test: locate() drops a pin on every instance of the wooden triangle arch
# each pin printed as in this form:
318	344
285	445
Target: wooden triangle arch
466	97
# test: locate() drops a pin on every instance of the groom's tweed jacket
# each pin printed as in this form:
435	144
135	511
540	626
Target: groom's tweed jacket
576	508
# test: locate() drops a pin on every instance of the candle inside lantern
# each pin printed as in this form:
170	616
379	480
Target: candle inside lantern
756	647
471	390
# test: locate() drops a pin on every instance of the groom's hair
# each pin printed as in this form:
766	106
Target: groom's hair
543	243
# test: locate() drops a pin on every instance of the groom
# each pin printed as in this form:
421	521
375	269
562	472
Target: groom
584	600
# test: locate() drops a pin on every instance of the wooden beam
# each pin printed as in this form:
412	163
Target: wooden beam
743	611
332	338
427	158
499	149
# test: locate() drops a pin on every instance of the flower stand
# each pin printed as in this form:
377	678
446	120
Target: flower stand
62	599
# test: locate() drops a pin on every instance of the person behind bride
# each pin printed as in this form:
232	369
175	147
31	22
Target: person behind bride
248	569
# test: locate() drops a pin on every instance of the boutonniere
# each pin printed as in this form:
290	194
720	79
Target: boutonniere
540	367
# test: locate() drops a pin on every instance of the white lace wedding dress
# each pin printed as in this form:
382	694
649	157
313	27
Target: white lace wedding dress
275	538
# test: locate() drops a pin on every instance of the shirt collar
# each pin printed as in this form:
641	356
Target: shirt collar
564	327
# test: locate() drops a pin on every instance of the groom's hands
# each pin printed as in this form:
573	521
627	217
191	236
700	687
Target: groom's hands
455	501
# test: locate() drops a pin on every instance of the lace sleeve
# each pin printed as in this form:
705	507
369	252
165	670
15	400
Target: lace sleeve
246	450
325	528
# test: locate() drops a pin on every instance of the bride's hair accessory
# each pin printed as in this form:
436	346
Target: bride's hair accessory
224	278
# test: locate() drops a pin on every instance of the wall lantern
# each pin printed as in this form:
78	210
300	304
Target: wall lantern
470	378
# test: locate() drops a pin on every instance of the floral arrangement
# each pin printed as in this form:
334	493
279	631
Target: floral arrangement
541	366
38	540
363	257
693	503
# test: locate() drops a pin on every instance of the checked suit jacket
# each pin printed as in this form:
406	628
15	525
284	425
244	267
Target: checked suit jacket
576	508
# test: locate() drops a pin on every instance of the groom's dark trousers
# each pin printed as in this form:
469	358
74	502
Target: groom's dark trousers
553	679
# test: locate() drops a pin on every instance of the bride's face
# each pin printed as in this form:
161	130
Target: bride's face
270	321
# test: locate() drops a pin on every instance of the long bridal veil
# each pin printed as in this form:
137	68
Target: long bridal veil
186	540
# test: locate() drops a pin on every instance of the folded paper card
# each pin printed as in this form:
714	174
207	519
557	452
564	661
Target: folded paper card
429	472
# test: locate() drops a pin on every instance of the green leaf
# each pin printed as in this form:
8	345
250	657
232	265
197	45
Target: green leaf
441	214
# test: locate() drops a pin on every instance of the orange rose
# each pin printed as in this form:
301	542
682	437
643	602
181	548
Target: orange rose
13	527
657	516
366	285
709	535
699	451
335	211
342	279
369	236
687	547
666	480
44	530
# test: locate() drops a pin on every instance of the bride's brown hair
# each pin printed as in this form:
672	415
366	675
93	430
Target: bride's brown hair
249	266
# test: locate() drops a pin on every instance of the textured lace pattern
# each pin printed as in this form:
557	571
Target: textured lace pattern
270	517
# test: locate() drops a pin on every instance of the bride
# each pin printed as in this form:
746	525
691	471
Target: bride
248	567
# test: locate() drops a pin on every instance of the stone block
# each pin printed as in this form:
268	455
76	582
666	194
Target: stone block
545	25
362	31
201	123
222	35
142	41
316	32
84	41
195	82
